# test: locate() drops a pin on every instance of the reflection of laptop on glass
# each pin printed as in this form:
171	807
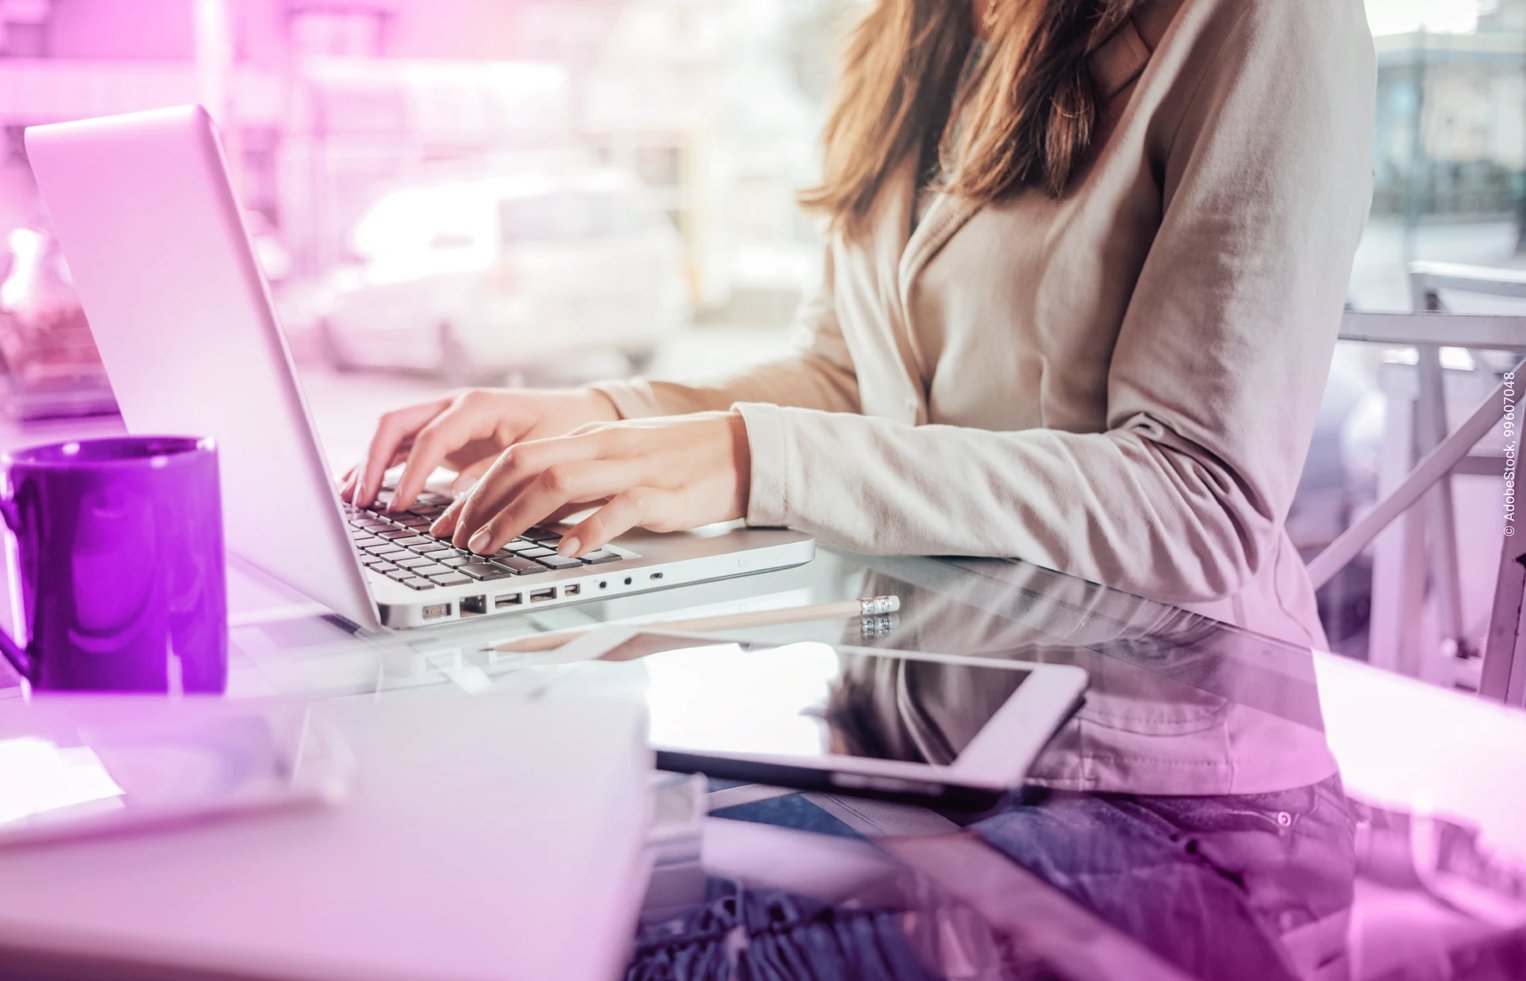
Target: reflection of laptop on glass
155	240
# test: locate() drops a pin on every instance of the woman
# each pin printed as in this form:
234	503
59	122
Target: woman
1085	271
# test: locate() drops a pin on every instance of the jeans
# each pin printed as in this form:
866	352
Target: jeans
772	936
1210	884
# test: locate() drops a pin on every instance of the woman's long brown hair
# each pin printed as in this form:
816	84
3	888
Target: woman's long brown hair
1027	118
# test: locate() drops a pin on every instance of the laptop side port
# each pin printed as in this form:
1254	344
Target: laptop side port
508	600
542	595
473	604
436	611
572	590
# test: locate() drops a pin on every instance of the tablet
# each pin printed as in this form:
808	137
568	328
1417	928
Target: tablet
904	725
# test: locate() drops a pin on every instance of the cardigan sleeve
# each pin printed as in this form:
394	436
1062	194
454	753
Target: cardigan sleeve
818	374
1218	370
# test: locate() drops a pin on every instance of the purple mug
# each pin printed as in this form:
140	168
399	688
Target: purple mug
120	548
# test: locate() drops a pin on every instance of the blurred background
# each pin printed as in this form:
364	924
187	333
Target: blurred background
548	191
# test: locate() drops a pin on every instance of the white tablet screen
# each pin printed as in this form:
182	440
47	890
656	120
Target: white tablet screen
810	700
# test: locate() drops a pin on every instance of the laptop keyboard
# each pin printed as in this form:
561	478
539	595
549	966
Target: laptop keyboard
400	547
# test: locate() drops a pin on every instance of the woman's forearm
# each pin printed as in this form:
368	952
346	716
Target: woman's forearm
1150	515
805	381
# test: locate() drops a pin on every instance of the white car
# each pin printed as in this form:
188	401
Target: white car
467	279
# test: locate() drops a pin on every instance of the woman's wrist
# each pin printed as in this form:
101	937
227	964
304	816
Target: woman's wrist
741	455
600	407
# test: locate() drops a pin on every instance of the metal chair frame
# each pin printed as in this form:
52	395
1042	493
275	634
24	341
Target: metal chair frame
1421	457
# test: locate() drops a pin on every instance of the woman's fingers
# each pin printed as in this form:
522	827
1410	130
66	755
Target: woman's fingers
471	426
665	475
462	486
445	525
509	474
392	432
353	476
347	491
467	478
644	507
555	489
436	440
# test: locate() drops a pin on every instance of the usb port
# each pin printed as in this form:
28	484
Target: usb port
541	595
507	600
572	590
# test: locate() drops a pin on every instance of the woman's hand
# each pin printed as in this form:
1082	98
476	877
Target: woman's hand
465	432
661	474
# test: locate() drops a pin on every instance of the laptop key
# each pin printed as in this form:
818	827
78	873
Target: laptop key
455	560
418	584
393	534
432	569
519	564
554	561
485	571
365	541
398	575
539	551
600	557
431	547
451	579
414	561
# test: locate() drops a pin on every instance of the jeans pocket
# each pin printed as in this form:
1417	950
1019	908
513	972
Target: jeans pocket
1280	813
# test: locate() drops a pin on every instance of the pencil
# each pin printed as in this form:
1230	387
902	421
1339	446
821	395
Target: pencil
870	606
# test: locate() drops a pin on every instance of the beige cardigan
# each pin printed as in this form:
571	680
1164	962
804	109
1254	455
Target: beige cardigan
1121	384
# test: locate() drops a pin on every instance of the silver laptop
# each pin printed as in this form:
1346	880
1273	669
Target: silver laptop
155	240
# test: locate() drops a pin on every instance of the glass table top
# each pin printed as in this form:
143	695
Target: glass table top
1223	803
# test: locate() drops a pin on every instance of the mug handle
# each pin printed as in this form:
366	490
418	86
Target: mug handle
14	652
